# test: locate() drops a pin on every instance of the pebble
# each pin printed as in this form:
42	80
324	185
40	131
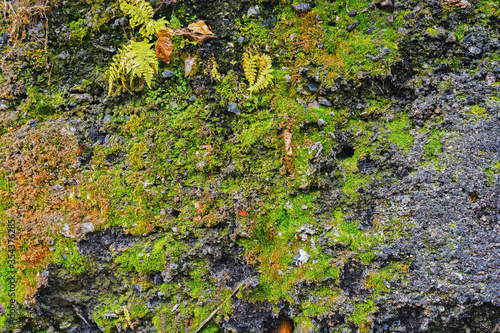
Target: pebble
158	279
352	26
241	40
301	102
192	98
312	87
313	104
490	79
475	50
301	258
167	74
301	8
233	107
451	38
321	122
304	207
371	29
323	101
402	31
253	11
173	105
352	13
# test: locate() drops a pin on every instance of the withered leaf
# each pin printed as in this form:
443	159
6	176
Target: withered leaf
288	142
80	150
194	36
164	48
165	33
200	27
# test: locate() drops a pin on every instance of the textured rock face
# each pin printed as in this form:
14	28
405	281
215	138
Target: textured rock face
359	192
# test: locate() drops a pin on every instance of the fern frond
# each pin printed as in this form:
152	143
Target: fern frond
140	11
152	27
135	61
261	63
141	14
249	61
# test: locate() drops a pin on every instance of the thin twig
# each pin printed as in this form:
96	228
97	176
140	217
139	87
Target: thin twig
218	308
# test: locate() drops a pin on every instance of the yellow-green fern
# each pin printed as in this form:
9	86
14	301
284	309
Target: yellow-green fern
134	65
258	70
141	14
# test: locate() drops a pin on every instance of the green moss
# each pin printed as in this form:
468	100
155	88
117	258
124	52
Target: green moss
434	145
361	314
399	134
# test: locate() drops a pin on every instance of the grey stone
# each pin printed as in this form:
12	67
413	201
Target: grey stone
301	258
167	73
323	101
253	11
233	108
352	26
352	13
301	8
371	29
490	79
475	50
312	87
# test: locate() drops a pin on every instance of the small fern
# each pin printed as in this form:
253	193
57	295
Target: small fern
141	14
258	70
134	65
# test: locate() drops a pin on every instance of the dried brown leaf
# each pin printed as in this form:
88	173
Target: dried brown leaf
164	48
200	27
194	36
166	33
288	142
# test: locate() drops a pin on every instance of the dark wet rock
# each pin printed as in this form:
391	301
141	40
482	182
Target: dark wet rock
371	29
352	26
101	242
350	278
96	135
253	317
158	280
352	13
312	87
301	8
